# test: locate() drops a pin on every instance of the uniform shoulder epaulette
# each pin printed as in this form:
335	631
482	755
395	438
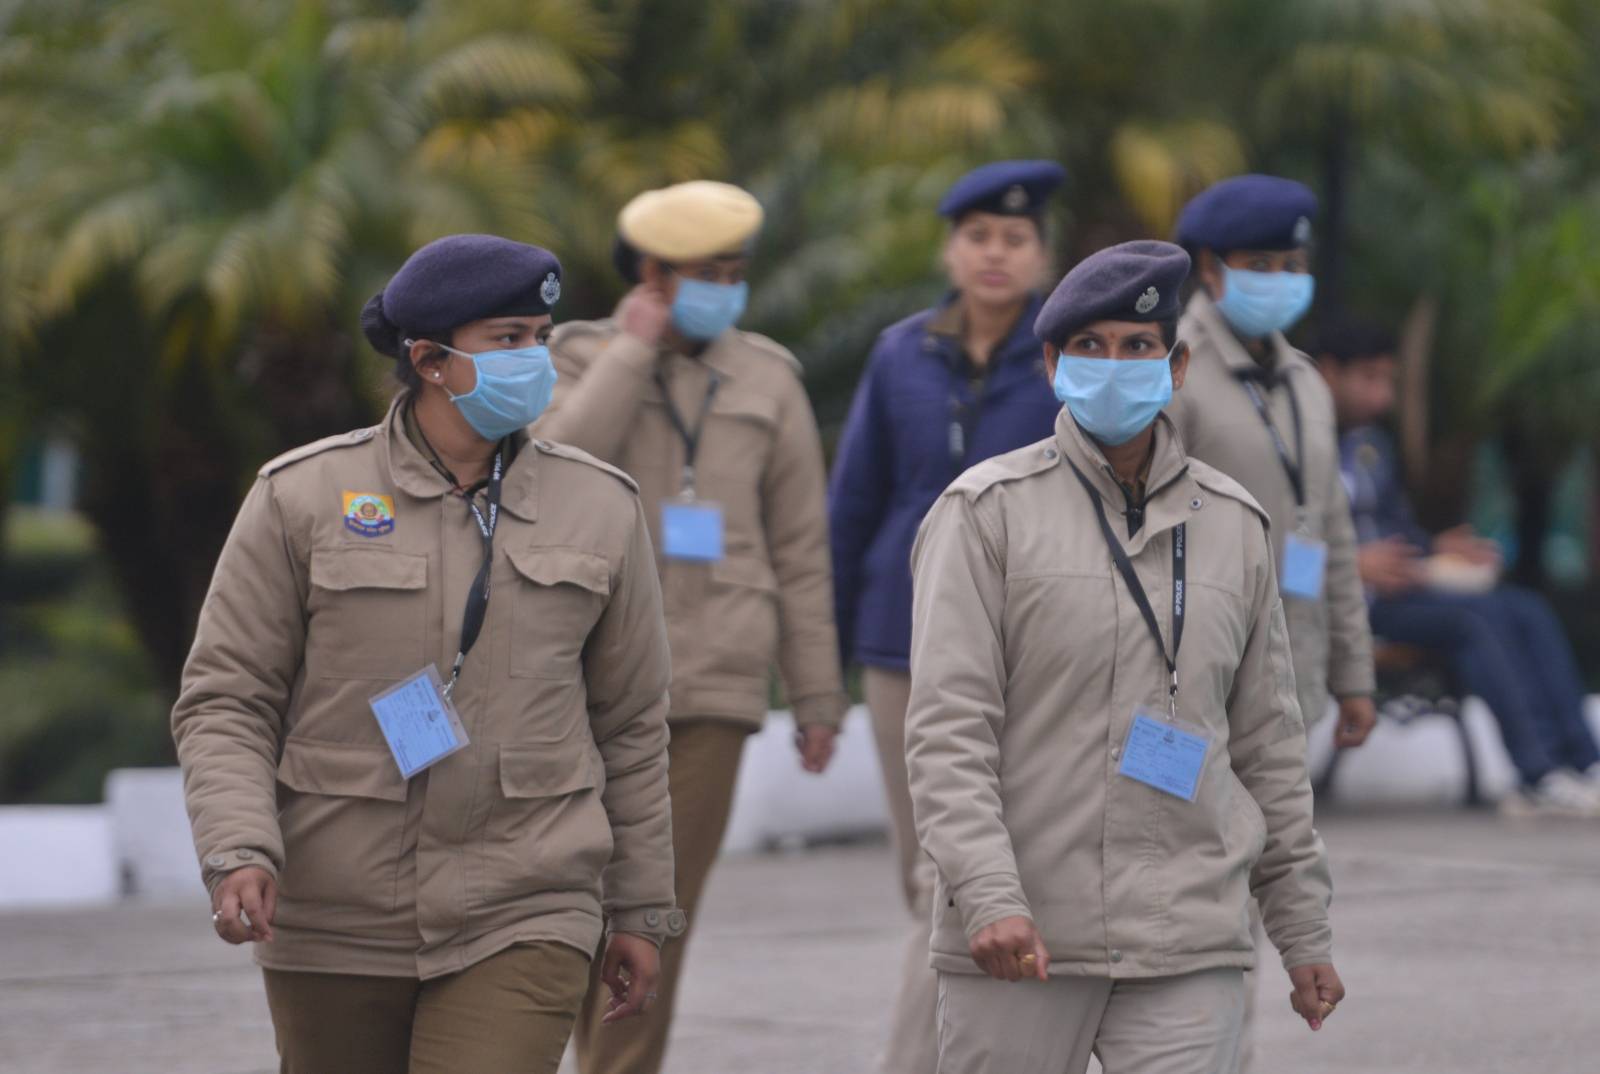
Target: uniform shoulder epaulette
352	438
1214	480
1012	466
775	349
582	340
567	451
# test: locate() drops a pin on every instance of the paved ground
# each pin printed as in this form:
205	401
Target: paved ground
1470	944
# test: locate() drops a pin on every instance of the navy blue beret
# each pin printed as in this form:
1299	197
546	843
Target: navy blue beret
1006	187
1133	281
457	279
1249	212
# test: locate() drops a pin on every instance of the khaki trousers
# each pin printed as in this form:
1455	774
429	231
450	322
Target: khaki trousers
704	765
913	1046
1156	1025
510	1014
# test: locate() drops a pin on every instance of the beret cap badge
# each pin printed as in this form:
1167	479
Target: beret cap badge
1015	200
550	290
1147	301
1302	231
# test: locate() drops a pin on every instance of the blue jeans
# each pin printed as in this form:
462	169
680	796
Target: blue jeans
1506	647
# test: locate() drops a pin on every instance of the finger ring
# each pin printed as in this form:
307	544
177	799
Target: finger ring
216	916
1329	1008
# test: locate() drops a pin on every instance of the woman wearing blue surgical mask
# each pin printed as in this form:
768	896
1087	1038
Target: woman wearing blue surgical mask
714	425
1257	409
434	649
942	390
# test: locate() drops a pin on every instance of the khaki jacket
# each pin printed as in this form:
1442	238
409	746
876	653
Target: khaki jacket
1028	659
1331	639
760	458
563	699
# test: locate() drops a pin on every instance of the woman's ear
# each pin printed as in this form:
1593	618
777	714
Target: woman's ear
1180	364
428	359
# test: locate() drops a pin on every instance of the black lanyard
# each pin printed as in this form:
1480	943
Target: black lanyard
478	596
1136	588
1295	467
691	437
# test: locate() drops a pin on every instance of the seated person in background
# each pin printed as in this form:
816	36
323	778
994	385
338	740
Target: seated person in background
1442	593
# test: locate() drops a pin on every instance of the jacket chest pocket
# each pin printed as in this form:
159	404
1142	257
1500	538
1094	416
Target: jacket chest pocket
736	443
368	612
556	599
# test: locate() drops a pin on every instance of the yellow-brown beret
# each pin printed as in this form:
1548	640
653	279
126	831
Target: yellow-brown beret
690	221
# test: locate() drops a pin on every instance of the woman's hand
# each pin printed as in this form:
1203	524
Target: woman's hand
244	904
1011	949
632	969
1317	993
815	743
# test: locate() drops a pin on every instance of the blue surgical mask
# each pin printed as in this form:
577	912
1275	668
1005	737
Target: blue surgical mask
1113	399
513	389
703	310
1258	304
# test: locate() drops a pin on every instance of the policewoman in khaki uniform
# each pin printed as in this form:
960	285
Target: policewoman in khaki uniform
1104	747
1256	409
425	712
715	426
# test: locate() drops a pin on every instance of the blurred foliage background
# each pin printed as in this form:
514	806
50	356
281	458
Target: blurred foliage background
196	197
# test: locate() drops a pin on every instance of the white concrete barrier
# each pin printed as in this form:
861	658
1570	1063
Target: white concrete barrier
777	803
150	833
55	855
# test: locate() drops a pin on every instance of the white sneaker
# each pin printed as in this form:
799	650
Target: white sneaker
1561	793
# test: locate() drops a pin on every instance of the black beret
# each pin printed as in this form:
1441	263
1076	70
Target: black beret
1133	281
1249	212
1006	188
457	279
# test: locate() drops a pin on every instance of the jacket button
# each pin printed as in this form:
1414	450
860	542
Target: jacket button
1050	453
1116	752
246	855
1116	956
652	918
1196	503
216	861
677	922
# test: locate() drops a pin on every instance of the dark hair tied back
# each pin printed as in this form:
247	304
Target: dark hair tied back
386	337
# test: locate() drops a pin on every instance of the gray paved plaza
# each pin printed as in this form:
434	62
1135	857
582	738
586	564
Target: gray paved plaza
1469	944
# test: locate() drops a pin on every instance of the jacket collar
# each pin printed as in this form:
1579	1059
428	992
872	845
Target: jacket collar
1170	492
942	334
414	475
1214	336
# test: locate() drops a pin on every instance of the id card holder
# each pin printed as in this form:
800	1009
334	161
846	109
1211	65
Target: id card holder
419	723
691	530
1163	754
1305	561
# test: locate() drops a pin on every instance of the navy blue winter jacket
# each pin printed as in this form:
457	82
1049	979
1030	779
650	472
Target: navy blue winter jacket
918	420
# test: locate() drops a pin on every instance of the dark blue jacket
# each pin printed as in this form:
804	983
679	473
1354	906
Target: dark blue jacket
1379	505
918	420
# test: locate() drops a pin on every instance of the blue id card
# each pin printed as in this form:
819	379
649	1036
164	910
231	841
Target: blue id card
691	531
1163	755
420	724
1304	563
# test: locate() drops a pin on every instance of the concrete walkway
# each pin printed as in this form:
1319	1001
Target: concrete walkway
1470	945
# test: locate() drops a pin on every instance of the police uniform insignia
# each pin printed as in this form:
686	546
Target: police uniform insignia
368	514
1302	231
550	290
1015	200
1148	301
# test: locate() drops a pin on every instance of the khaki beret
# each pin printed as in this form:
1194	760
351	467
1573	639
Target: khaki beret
690	221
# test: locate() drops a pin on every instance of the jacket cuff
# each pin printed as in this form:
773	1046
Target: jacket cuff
213	867
655	923
631	352
825	709
1310	944
983	900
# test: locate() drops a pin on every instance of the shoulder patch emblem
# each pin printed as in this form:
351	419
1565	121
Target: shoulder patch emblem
550	290
1148	300
368	514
